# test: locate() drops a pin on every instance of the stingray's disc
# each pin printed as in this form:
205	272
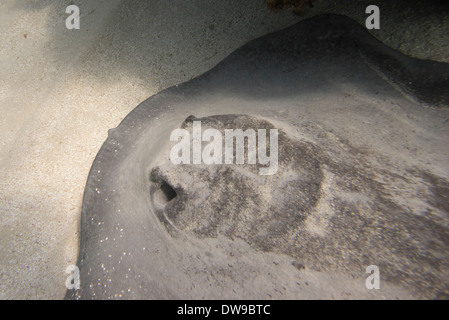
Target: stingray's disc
361	179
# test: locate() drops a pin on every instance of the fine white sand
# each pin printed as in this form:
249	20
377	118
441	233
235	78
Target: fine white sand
61	90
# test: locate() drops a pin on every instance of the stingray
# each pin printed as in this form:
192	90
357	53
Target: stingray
361	179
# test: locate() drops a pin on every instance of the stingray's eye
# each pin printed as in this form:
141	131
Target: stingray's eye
161	191
167	193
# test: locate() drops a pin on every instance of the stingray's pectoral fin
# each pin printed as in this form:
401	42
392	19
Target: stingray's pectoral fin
424	81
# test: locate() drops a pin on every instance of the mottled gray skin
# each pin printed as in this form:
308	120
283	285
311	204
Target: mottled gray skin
276	213
240	203
360	181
